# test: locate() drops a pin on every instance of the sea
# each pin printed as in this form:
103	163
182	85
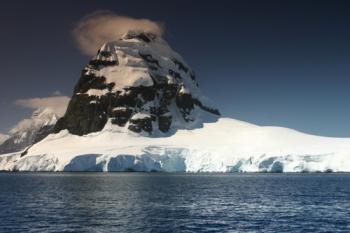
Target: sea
174	202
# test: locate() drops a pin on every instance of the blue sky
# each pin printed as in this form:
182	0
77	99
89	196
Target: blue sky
282	63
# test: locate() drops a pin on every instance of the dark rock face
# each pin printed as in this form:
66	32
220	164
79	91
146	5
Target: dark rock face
150	60
180	65
185	103
164	123
82	116
137	125
88	113
87	82
103	58
146	37
121	116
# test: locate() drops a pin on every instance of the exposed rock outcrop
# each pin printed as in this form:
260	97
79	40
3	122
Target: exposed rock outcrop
136	75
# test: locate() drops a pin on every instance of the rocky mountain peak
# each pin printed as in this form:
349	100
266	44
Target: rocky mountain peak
138	83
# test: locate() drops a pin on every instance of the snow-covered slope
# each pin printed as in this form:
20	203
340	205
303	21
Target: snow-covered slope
227	145
31	130
3	137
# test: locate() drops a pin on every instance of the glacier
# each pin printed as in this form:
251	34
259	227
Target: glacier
227	145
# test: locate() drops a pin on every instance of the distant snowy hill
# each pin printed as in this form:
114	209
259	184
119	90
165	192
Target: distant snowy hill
29	131
3	137
137	107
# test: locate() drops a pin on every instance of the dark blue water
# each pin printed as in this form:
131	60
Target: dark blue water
154	202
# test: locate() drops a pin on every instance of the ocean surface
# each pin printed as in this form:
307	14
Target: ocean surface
160	202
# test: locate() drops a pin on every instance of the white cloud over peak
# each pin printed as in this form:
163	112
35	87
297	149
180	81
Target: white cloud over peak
92	31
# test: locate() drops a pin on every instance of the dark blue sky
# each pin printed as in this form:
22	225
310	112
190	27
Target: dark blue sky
283	63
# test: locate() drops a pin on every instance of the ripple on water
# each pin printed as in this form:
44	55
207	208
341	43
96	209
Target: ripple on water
157	202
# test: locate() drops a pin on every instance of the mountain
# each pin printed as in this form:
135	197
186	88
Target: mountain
139	83
3	137
137	107
29	131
